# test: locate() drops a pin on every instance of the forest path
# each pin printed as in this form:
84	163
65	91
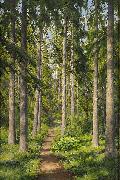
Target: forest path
50	168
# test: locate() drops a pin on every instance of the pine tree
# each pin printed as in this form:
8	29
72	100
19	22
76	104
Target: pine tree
23	82
12	130
95	139
110	140
64	77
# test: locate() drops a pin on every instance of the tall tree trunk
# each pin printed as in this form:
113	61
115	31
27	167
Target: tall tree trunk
118	118
64	77
95	139
23	83
72	74
110	144
40	77
12	130
38	103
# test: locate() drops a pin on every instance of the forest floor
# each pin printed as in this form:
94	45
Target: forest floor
50	167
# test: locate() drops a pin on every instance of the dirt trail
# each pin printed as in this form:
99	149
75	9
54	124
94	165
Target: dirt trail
51	169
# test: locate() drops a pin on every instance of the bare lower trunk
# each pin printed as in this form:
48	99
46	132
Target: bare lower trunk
12	134
39	112
95	83
12	130
72	76
23	83
110	144
68	96
64	78
36	111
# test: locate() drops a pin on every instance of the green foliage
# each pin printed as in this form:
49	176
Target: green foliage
78	125
84	160
18	165
65	144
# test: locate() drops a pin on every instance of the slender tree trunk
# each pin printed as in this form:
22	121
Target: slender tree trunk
110	144
37	107
23	83
40	77
95	139
36	111
39	112
12	130
72	75
68	96
118	118
64	78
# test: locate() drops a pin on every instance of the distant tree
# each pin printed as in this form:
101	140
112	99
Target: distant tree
64	76
23	81
72	73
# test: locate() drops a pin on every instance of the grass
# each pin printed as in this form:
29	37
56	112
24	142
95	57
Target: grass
83	160
15	165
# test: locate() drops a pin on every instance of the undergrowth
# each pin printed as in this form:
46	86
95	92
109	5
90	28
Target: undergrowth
15	165
82	159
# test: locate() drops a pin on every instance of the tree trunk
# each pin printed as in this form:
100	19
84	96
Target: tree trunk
110	144
36	111
68	96
12	130
37	107
39	112
23	83
40	77
72	75
64	77
95	139
118	118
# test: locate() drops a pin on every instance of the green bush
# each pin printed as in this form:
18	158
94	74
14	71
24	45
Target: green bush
82	159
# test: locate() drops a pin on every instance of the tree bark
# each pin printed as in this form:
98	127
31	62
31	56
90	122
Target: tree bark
38	99
64	78
23	83
40	78
118	118
12	130
72	74
110	144
95	139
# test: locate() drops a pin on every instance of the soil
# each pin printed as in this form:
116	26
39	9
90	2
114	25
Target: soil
50	167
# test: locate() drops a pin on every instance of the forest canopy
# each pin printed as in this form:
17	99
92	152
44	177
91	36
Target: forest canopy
60	68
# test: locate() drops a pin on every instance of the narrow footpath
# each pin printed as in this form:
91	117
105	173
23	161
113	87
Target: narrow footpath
50	167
